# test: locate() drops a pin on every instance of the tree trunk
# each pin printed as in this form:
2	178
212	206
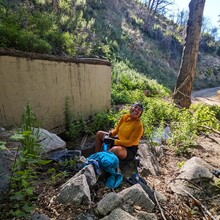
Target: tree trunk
183	90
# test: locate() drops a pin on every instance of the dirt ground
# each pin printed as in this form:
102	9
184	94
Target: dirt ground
174	208
209	96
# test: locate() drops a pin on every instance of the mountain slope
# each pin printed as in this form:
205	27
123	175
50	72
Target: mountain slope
117	30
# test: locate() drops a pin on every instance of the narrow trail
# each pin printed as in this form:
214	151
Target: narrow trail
208	96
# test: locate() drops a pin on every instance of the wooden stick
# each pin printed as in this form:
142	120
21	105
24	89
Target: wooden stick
161	211
207	136
211	129
199	203
83	141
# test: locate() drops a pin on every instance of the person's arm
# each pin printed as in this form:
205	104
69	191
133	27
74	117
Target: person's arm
134	138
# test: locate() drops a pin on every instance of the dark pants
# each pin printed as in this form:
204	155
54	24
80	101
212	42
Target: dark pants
131	152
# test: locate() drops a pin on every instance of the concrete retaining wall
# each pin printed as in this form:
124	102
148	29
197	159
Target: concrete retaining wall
46	84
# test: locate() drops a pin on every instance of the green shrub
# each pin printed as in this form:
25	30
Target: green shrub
74	127
104	120
183	133
184	124
204	115
21	190
216	110
128	85
188	124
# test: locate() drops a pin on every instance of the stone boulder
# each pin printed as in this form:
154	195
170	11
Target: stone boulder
75	190
6	158
119	214
108	203
49	141
135	195
194	170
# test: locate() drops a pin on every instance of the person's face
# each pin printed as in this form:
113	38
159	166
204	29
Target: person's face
135	111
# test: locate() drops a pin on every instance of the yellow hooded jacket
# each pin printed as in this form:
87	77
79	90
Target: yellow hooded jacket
129	131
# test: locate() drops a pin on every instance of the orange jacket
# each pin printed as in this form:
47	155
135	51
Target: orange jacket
129	131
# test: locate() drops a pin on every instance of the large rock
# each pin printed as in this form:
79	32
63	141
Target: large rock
89	173
198	161
148	161
108	203
49	141
119	214
146	216
137	196
194	170
6	160
75	190
5	135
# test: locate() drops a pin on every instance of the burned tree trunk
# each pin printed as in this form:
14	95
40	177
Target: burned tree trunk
183	90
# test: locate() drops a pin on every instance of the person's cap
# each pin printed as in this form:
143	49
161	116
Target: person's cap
139	105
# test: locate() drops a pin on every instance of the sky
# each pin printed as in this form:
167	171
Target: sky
211	10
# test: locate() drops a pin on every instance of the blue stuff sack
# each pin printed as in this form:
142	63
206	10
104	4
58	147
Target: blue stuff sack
108	162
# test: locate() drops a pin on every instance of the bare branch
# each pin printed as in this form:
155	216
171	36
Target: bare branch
200	204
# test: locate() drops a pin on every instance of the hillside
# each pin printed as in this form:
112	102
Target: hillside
116	30
155	50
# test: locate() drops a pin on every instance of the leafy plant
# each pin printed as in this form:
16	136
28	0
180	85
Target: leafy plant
184	124
2	145
29	140
74	128
58	177
216	110
180	164
28	119
21	191
28	135
128	85
103	121
204	115
217	183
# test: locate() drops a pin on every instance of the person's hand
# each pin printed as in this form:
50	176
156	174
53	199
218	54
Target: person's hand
109	141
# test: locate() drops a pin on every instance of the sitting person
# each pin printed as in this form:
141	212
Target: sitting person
129	131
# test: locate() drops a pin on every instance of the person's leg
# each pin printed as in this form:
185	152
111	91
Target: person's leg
119	151
99	140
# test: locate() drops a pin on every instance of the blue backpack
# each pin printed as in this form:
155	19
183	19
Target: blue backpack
108	162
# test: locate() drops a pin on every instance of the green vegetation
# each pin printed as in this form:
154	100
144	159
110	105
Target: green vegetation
217	183
76	128
95	28
45	29
21	190
2	145
128	85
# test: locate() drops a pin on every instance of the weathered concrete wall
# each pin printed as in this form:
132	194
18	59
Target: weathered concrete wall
46	84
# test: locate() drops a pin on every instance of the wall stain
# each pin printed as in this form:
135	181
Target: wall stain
5	117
